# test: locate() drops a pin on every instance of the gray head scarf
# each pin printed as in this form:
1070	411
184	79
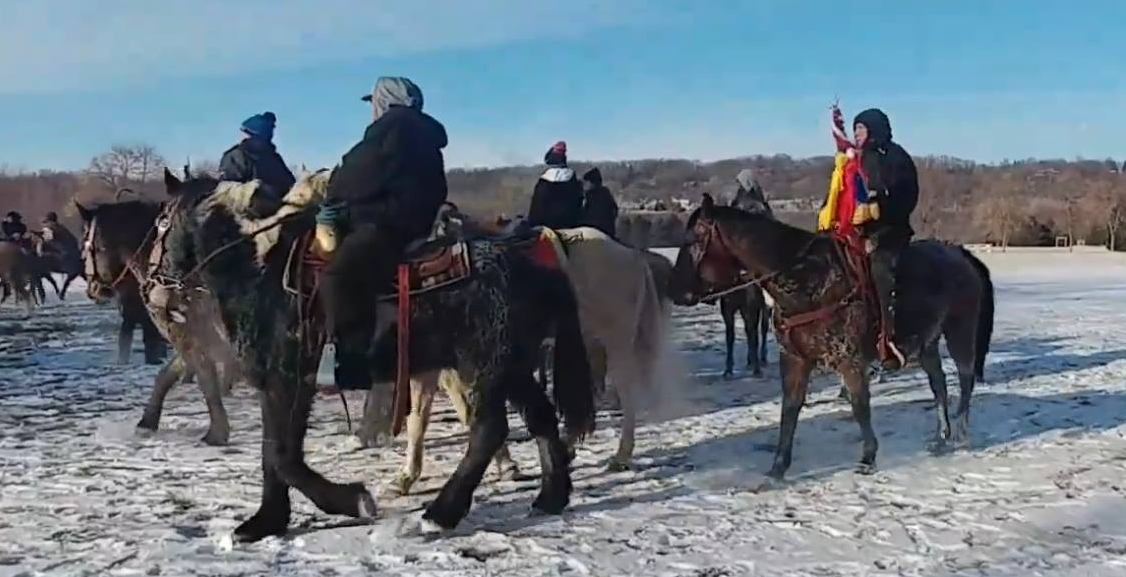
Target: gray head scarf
394	91
746	179
750	196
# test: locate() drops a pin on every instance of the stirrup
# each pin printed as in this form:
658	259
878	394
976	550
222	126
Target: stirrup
897	360
326	368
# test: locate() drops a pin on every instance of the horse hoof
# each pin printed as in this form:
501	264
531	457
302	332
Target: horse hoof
216	439
147	425
728	375
938	448
401	485
776	474
865	468
617	466
259	527
551	503
757	373
513	474
443	516
366	506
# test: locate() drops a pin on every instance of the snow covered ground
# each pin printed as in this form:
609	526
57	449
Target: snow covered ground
1041	492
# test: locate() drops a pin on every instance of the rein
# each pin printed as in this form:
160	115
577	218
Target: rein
744	279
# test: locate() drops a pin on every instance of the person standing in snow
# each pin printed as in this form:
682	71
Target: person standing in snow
557	201
600	210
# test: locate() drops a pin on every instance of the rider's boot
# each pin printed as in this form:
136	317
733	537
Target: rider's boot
883	275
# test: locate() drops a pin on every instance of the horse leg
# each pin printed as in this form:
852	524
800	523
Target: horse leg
66	284
856	379
125	337
727	310
207	376
764	322
751	313
539	417
39	292
50	280
458	391
795	382
623	458
375	429
487	433
961	342
285	416
422	399
931	363
169	375
156	348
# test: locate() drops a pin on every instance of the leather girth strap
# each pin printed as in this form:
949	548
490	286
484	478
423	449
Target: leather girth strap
402	366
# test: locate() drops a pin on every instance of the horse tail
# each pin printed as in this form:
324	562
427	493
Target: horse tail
985	314
573	385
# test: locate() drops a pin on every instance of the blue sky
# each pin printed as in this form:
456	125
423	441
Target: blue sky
985	80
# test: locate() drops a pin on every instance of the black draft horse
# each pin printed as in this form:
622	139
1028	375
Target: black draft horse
488	328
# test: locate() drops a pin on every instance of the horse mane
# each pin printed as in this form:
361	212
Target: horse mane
237	199
124	205
785	241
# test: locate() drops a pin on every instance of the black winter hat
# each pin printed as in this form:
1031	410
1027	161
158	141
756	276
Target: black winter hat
877	123
593	176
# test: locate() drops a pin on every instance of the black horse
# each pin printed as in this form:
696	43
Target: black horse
750	305
487	327
117	238
822	318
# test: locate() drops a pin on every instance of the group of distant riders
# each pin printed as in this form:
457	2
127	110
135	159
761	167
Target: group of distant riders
55	237
388	189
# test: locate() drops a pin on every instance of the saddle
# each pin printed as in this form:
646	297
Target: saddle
433	264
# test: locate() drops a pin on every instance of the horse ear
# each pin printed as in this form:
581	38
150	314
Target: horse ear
171	183
708	202
84	212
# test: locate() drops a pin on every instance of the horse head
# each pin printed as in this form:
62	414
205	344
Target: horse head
704	263
114	237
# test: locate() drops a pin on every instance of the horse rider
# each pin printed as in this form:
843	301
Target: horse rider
600	210
750	196
13	228
893	183
256	157
57	238
385	193
557	201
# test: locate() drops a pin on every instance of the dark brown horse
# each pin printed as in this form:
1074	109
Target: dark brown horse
821	318
59	253
116	244
186	316
750	305
17	274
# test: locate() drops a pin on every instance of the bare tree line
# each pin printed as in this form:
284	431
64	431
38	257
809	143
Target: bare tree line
1025	202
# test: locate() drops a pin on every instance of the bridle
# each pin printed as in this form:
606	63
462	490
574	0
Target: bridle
132	265
707	235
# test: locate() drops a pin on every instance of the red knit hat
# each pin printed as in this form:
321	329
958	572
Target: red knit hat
559	147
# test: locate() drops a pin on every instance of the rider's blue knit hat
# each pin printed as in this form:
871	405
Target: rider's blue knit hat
260	125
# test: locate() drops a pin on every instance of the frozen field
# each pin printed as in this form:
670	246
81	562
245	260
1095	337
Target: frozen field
1042	491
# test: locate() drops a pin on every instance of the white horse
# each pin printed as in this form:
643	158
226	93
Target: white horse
624	320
